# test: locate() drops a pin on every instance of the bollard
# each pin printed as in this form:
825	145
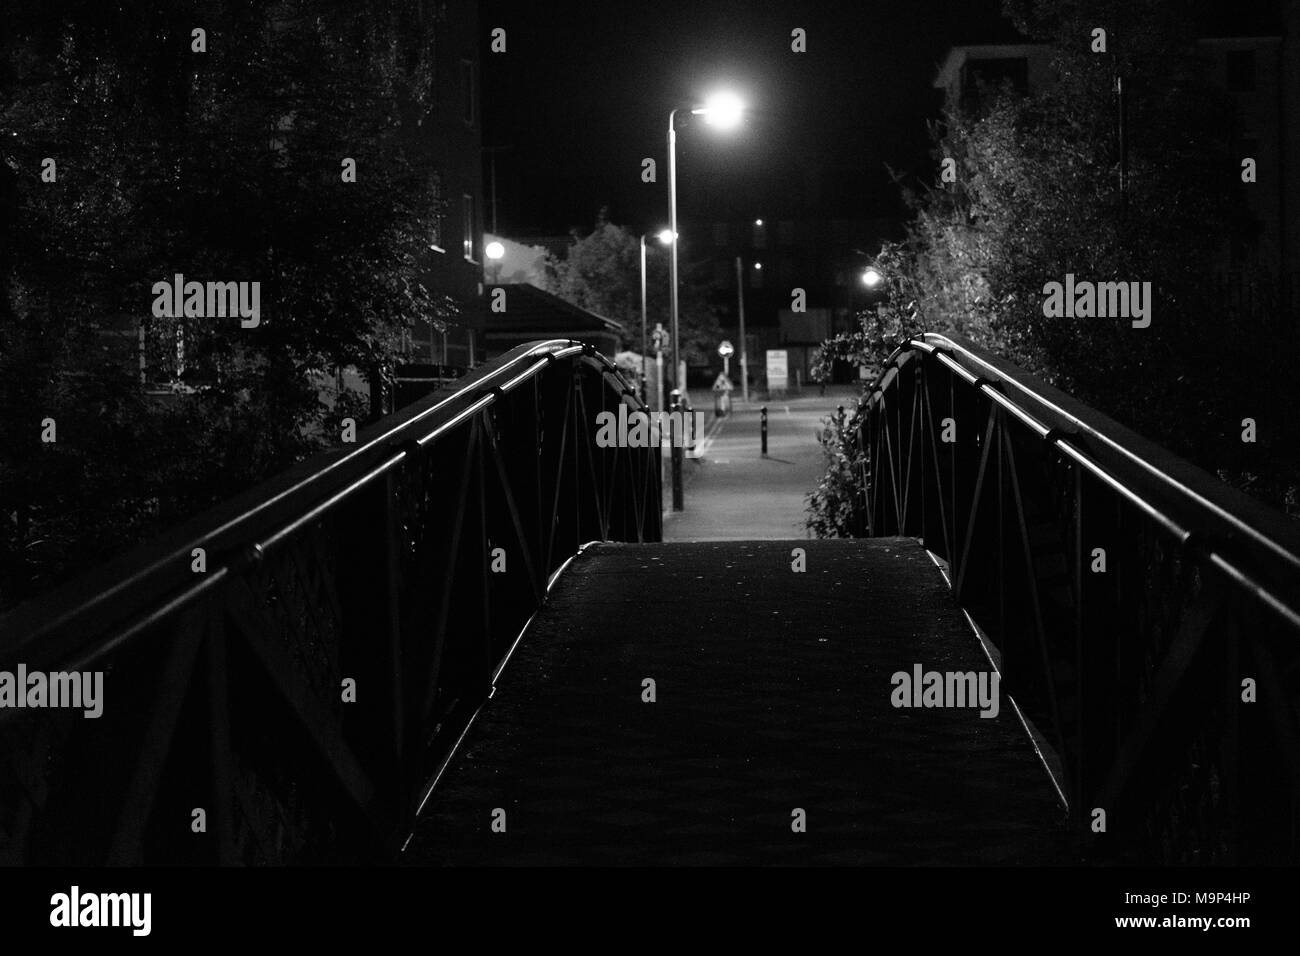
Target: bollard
763	428
675	444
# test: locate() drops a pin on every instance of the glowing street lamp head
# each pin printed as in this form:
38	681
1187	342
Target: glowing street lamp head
495	250
722	110
871	278
665	236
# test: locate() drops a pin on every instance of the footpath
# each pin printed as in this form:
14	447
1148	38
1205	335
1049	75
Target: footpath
731	492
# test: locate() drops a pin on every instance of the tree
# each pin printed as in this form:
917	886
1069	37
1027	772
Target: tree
1037	195
221	165
601	272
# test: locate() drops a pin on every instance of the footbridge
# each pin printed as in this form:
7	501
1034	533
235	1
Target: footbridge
461	640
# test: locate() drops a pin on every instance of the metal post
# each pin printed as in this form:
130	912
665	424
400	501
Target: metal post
643	342
672	228
763	428
659	380
675	446
744	348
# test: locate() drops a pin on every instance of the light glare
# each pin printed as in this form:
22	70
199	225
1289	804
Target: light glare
722	110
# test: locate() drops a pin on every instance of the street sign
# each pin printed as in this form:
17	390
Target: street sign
725	349
657	337
778	375
722	384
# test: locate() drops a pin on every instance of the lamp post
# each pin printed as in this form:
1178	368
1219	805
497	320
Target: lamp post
744	349
724	111
666	237
643	342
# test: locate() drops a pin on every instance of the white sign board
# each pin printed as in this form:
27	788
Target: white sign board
778	376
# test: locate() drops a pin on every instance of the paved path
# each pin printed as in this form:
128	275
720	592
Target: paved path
734	493
765	703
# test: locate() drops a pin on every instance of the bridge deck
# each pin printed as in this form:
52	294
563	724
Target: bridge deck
773	692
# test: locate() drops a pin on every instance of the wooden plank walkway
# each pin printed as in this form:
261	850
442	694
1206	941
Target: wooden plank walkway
773	693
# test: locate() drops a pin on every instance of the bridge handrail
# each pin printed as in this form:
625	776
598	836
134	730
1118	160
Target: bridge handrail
307	684
1135	606
1197	507
261	515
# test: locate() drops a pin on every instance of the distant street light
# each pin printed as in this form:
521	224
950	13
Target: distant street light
871	278
496	252
723	110
666	237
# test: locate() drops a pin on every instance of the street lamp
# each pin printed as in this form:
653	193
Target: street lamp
871	278
666	237
723	110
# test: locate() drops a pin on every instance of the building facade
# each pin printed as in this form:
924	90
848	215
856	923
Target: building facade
450	140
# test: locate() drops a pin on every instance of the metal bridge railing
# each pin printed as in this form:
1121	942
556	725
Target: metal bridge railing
296	700
1164	687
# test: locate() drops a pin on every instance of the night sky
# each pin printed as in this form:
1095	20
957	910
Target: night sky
583	93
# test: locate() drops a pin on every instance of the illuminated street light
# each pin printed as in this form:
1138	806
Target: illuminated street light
723	110
871	278
496	252
665	236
